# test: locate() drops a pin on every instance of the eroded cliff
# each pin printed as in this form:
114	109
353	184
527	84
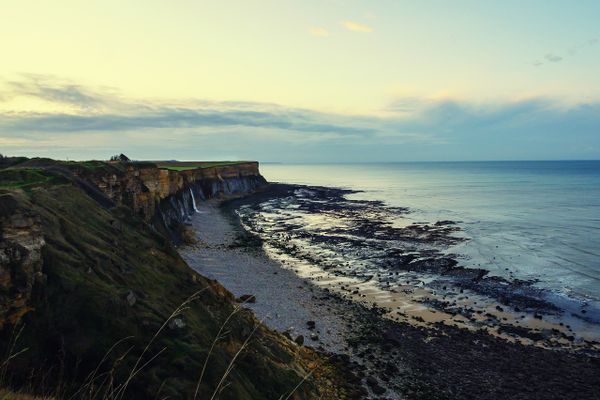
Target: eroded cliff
91	281
166	198
21	246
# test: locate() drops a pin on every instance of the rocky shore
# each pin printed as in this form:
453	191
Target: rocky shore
396	356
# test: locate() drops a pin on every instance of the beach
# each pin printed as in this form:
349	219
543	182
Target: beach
284	301
425	353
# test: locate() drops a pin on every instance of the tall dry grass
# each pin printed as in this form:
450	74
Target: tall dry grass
102	384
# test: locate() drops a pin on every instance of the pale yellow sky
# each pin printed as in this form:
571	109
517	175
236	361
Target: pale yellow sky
303	80
346	57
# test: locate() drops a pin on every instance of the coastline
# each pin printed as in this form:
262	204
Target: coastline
396	358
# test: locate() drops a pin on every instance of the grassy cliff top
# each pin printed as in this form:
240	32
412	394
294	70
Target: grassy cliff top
24	178
189	165
99	165
25	173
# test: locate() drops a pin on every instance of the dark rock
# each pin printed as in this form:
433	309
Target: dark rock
246	298
378	390
372	381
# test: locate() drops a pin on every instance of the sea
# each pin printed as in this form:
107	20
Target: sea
536	221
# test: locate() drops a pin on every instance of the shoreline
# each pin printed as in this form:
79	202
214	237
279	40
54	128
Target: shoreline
388	354
405	269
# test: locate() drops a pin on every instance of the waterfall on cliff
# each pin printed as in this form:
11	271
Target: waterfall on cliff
193	200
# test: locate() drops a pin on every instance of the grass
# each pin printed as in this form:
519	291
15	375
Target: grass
187	166
92	166
10	395
174	168
103	383
95	166
24	178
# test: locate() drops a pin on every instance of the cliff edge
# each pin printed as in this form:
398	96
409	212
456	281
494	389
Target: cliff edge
96	302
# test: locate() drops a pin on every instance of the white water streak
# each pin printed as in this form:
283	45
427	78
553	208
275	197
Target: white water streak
193	200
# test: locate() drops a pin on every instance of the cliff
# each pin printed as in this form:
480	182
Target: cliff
91	291
20	259
166	198
162	197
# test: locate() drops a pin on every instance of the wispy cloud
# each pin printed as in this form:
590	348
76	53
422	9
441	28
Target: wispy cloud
553	57
54	90
413	128
99	111
572	51
357	27
318	31
174	118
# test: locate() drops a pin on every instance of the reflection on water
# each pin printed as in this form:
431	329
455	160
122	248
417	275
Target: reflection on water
520	221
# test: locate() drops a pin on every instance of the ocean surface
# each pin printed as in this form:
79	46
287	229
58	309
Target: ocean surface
529	220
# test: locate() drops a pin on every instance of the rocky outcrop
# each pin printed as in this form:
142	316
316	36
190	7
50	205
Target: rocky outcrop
21	243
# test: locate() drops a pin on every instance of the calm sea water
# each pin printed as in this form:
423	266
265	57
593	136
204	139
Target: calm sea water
535	220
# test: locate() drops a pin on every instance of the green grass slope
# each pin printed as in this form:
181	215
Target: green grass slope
111	285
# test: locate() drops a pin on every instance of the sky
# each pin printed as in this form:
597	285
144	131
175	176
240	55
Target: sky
301	81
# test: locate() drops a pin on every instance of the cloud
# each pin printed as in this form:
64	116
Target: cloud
51	89
406	104
553	57
414	128
571	51
174	118
318	31
98	111
357	27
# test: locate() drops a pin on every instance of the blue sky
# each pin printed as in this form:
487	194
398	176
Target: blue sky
301	81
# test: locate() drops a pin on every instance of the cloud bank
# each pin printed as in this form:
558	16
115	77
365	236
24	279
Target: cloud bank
91	123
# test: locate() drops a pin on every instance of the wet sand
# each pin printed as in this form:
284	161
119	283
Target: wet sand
413	353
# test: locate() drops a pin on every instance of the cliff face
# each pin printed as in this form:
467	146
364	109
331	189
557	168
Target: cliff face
167	198
20	259
143	189
92	284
